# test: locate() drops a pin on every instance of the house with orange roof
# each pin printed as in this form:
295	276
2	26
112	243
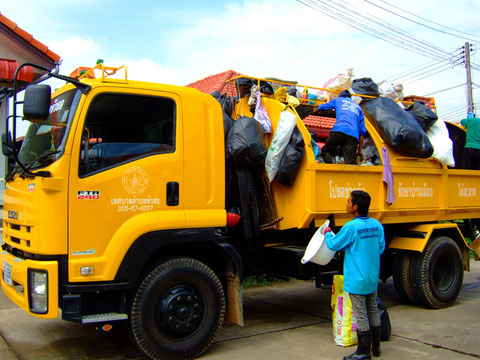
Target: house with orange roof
319	125
17	46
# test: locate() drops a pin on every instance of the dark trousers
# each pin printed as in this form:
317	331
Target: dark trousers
471	159
349	146
366	311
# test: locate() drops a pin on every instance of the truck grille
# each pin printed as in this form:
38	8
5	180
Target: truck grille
18	234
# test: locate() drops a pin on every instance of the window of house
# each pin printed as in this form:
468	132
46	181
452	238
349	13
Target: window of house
120	128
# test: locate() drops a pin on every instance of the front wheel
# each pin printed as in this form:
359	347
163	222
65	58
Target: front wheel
177	310
437	273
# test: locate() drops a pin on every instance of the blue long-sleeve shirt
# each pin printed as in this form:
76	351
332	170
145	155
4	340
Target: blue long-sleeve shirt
349	116
363	240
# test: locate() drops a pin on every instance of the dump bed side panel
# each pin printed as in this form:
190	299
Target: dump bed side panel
425	189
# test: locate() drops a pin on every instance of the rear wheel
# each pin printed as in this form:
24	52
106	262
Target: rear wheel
437	273
177	310
402	277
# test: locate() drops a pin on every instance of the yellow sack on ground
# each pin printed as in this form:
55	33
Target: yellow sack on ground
343	319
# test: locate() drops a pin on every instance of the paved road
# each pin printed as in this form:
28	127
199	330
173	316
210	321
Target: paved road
286	321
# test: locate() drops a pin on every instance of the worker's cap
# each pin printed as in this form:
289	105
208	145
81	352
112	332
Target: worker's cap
345	93
470	115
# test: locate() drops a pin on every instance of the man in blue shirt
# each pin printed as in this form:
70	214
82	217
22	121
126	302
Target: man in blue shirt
363	241
349	129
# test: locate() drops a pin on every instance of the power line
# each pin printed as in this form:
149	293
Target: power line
385	25
432	22
416	22
450	88
400	35
398	39
430	74
413	76
413	70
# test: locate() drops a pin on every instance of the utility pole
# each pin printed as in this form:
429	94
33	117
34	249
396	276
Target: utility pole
469	78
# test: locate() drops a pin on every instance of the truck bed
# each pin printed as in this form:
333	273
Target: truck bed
425	189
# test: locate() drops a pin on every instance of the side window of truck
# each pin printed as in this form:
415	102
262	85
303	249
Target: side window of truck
120	128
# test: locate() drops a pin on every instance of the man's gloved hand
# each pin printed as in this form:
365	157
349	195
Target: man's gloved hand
326	230
325	226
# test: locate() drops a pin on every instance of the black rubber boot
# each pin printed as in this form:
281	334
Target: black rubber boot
376	334
363	348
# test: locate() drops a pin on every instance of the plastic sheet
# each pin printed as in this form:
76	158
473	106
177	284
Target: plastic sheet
291	159
245	145
398	127
261	115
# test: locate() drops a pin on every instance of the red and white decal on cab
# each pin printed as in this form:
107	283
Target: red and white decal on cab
88	195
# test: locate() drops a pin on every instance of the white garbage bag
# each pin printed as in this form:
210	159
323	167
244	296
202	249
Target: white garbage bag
441	142
283	133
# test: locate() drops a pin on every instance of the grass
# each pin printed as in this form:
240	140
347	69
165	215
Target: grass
259	281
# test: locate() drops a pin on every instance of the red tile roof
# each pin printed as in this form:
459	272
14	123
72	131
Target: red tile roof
217	82
28	38
8	68
320	122
320	125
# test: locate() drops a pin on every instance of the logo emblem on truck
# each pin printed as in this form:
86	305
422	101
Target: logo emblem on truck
135	180
12	214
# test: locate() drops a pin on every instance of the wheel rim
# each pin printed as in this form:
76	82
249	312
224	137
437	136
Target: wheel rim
444	274
180	313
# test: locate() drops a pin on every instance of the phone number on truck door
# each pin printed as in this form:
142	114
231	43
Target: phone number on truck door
134	208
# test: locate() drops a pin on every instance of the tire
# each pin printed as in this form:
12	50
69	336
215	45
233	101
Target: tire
437	273
177	310
402	266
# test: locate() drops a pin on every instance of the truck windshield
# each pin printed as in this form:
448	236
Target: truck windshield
45	141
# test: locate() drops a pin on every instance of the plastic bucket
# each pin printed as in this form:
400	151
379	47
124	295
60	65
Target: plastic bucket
317	251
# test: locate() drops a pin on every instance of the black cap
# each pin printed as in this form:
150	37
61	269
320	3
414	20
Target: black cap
345	93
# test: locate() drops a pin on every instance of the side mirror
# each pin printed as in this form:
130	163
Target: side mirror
36	102
7	148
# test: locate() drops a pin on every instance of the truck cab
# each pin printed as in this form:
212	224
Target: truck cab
120	207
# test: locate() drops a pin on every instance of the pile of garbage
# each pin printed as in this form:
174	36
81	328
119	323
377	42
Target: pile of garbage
414	130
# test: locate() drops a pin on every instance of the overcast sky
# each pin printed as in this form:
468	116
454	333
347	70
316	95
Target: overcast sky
182	41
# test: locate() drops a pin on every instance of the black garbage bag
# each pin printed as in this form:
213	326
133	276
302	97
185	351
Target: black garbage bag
386	326
245	145
291	159
227	124
398	127
227	105
266	88
225	101
423	114
365	86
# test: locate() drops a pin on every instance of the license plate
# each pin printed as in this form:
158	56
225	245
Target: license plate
7	273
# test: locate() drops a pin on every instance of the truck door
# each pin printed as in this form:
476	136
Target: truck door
126	177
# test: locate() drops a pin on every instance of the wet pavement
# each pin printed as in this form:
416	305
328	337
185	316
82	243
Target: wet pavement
289	320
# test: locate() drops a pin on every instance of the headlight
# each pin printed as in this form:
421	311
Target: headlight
38	287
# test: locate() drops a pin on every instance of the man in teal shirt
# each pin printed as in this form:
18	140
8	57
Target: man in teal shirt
471	153
363	240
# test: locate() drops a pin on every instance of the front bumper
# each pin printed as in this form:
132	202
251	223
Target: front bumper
19	290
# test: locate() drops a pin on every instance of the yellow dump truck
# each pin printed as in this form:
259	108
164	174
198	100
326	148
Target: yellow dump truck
119	204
